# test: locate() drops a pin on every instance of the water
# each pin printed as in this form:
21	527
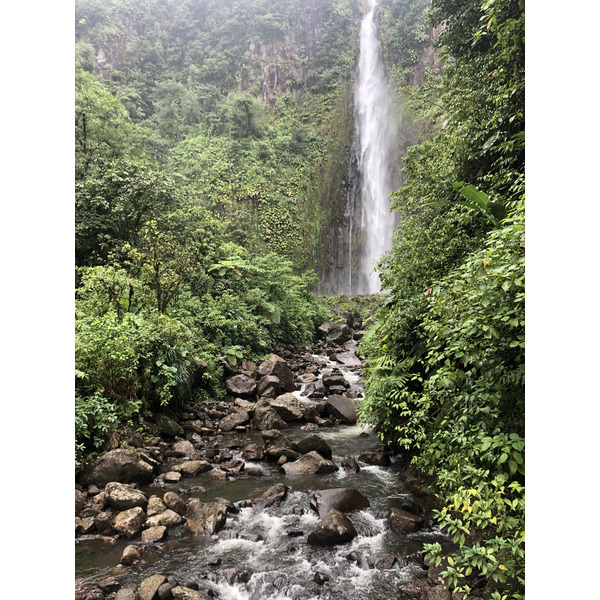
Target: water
377	134
268	547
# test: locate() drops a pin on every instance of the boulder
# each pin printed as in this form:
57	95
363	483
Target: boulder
335	379
185	593
342	499
377	458
240	385
313	442
155	506
171	477
167	426
342	408
339	333
127	593
286	406
80	498
122	497
278	367
385	562
335	528
438	592
175	503
129	522
167	518
109	584
266	417
205	518
154	534
253	452
349	464
182	448
124	466
272	496
310	463
349	359
269	386
103	523
237	417
149	586
403	521
192	468
306	378
131	554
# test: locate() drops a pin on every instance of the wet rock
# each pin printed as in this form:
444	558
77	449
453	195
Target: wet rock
335	379
131	554
342	408
155	506
109	584
309	426
269	386
349	464
253	452
84	525
103	522
306	378
385	562
278	367
164	591
127	593
123	497
175	503
335	528
167	518
185	593
414	589
240	385
273	496
377	458
149	586
233	466
168	426
237	417
205	518
358	558
124	466
192	468
266	417
172	477
321	578
342	499
80	498
129	522
349	359
154	534
286	406
182	448
339	333
251	537
438	592
313	442
254	471
403	521
312	462
228	504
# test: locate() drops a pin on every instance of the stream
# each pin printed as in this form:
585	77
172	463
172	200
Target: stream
262	553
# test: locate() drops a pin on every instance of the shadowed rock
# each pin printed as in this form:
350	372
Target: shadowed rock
342	499
313	442
335	528
403	521
308	464
240	385
342	408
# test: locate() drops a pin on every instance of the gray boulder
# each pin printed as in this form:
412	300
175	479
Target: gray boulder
124	466
342	499
122	497
240	386
335	528
313	442
205	518
308	464
192	468
167	518
237	417
404	522
149	586
286	406
129	522
342	408
278	367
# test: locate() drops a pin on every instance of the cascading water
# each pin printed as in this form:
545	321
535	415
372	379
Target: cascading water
377	128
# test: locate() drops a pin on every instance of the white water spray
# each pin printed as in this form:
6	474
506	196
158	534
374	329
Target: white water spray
377	135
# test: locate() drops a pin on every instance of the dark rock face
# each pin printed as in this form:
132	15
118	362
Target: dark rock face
380	459
342	499
168	426
278	367
253	452
313	442
269	386
342	408
310	463
403	521
349	464
335	379
240	385
124	466
335	528
205	518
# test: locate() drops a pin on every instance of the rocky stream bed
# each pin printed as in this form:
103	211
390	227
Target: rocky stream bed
276	494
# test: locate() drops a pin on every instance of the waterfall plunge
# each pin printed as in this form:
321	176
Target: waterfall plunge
377	147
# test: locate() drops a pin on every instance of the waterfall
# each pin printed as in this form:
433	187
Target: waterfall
376	132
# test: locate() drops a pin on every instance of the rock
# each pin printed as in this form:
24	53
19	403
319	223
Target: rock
380	459
339	333
193	468
272	496
253	452
123	497
306	378
286	407
175	502
124	466
342	408
149	586
109	584
438	592
131	554
278	367
335	379
266	417
127	593
313	442
246	405
237	417
269	386
240	385
185	593
349	359
168	426
167	518
403	521
205	518
233	466
312	462
320	578
335	528
414	589
172	477
129	522
182	448
84	525
349	464
385	562
154	534
342	499
164	591
155	506
103	522
80	498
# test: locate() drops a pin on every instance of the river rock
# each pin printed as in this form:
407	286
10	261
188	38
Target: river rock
339	333
377	458
154	534
269	386
127	593
266	417
124	466
278	367
109	584
247	405
131	554
103	522
335	528
236	418
311	462
313	442
172	477
342	408
205	518
349	464
167	518
335	380
175	503
403	521
185	593
385	562
342	499
80	498
155	506
438	592
286	406
414	589
168	426
149	586
306	378
253	452
182	448
240	385
123	497
272	496
129	522
192	468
